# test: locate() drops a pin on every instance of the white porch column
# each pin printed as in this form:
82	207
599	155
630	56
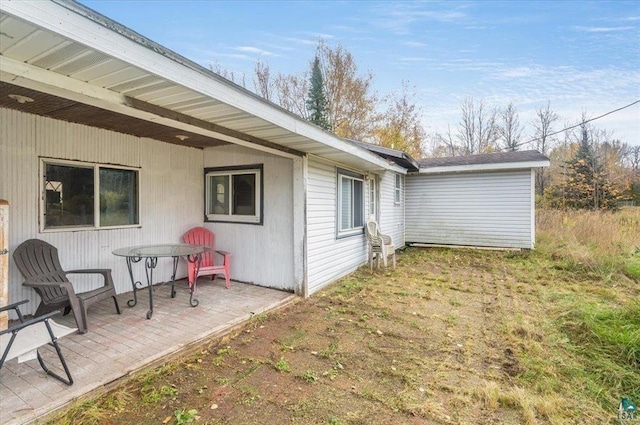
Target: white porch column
300	172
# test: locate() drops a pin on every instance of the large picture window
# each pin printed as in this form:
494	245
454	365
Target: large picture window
88	195
234	194
350	203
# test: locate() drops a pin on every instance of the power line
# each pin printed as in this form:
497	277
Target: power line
580	123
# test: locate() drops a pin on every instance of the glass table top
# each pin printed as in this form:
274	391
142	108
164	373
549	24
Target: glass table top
161	250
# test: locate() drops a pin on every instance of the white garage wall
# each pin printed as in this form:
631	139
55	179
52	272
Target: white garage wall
261	254
328	258
171	194
493	209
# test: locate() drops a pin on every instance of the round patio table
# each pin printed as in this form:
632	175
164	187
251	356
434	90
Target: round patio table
151	253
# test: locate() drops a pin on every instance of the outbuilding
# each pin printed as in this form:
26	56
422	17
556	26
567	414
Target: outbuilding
485	200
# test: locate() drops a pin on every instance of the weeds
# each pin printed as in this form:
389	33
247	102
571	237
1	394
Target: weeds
152	395
599	242
282	365
309	376
184	416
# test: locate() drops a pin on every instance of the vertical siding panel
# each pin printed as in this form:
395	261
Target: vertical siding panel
171	191
482	209
328	258
19	177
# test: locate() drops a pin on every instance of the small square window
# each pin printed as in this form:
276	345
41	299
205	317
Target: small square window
234	194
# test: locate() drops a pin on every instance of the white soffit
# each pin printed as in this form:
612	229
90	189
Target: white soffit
61	40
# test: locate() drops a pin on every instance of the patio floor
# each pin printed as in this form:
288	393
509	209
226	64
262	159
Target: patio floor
117	345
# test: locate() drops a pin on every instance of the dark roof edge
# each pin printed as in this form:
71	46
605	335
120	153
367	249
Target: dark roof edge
399	157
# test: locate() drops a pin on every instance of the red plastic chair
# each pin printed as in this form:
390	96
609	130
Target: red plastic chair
203	236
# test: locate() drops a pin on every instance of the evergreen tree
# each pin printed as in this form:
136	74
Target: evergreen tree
317	100
584	185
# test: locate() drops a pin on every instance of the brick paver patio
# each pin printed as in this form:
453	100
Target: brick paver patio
117	345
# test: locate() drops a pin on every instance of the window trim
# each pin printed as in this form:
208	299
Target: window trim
397	190
355	230
258	170
373	197
96	166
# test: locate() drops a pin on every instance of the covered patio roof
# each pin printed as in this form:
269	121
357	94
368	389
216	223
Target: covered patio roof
88	68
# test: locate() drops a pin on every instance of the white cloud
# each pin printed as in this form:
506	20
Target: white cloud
398	17
255	50
413	59
414	44
603	29
235	56
298	40
321	35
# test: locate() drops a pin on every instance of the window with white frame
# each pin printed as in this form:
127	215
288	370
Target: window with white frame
372	197
397	196
234	194
350	203
88	195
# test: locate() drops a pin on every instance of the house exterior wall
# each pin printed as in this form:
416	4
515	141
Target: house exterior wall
261	254
328	257
493	209
171	188
391	214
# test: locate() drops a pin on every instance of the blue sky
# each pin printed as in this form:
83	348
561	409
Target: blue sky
579	55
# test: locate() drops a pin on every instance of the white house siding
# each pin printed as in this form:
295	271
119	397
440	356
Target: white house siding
328	258
261	254
391	214
171	188
491	209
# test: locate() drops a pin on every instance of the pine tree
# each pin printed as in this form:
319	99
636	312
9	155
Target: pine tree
585	185
317	100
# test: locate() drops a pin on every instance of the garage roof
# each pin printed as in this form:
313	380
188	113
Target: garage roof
65	50
488	161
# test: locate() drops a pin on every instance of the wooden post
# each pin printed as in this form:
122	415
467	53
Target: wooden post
4	261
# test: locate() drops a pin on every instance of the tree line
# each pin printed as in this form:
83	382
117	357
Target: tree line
590	168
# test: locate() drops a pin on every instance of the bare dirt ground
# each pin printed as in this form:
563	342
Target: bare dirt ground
437	341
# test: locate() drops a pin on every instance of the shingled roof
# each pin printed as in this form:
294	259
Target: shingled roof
485	158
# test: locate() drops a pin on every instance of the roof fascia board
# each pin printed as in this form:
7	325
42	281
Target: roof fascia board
484	167
397	169
356	169
74	26
28	76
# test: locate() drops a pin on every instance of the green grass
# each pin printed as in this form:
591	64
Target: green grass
632	268
608	339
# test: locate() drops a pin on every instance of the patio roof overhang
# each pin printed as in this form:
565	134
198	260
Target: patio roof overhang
80	66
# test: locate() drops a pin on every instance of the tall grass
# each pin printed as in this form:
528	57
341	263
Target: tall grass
591	331
600	242
607	339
